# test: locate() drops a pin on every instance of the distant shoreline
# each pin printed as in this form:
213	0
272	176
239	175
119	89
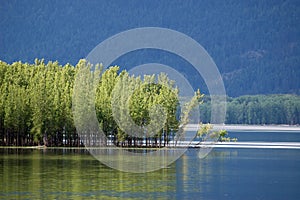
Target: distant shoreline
240	127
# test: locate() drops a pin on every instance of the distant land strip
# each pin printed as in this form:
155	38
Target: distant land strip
235	127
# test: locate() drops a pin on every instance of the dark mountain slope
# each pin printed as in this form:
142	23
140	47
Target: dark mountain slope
255	44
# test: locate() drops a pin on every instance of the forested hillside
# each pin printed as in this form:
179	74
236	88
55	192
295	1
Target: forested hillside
255	44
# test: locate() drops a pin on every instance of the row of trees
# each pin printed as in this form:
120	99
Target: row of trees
131	111
258	109
36	105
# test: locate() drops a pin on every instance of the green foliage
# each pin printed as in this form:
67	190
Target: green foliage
36	106
35	103
38	102
206	133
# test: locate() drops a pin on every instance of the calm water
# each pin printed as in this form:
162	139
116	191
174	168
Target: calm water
267	136
223	174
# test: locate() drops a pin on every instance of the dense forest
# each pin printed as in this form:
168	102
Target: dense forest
255	44
258	109
36	104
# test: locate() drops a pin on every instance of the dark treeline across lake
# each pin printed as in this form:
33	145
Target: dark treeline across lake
36	106
258	109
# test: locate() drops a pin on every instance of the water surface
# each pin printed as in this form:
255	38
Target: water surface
224	174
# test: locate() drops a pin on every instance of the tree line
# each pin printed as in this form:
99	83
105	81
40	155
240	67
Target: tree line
36	105
258	109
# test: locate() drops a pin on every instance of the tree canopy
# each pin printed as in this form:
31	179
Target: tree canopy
36	104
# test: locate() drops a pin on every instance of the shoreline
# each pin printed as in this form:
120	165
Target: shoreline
194	127
241	127
192	145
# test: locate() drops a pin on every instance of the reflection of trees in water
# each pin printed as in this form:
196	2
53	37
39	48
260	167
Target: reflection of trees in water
192	171
70	174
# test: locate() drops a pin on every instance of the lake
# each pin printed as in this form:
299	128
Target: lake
226	173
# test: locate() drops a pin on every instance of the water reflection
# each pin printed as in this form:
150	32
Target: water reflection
223	174
69	174
197	178
137	160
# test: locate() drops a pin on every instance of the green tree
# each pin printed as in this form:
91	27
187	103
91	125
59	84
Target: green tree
103	101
